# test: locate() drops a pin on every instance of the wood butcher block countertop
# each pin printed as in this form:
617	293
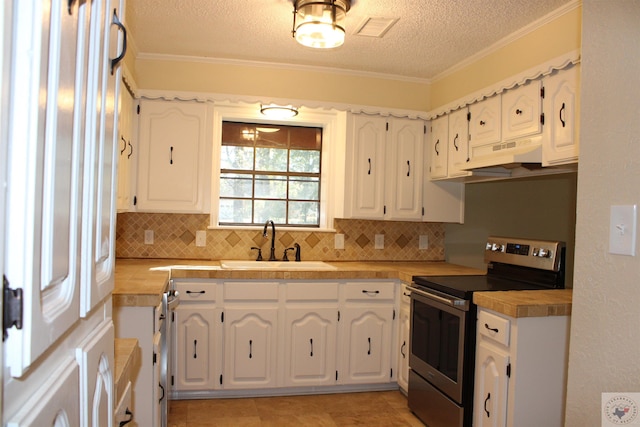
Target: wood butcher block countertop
141	282
552	302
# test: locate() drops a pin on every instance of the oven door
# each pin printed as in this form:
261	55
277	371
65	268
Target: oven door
437	344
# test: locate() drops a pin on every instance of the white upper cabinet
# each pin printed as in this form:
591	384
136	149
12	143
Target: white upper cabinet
438	151
365	179
561	107
458	143
385	167
405	151
521	111
485	124
126	149
175	139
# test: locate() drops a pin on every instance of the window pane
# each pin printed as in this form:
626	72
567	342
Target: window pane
271	187
304	213
271	137
236	185
271	159
307	161
233	157
309	138
302	188
270	209
238	134
235	211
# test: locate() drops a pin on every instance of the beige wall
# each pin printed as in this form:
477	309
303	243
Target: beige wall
605	332
560	36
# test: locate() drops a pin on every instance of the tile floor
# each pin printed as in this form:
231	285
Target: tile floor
371	409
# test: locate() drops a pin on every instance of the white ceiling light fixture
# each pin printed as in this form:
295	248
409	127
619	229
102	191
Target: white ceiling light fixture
320	23
275	111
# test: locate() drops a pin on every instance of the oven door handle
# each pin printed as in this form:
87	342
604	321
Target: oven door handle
450	301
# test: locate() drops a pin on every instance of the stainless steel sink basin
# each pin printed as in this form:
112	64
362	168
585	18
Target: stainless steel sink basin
275	265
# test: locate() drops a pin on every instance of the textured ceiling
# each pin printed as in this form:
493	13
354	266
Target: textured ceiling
429	37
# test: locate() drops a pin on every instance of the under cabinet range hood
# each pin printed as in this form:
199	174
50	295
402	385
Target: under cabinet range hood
507	155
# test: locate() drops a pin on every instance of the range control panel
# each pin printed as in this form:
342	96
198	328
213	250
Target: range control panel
542	254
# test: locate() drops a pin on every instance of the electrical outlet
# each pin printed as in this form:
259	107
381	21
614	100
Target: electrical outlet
148	237
201	238
339	241
423	242
379	241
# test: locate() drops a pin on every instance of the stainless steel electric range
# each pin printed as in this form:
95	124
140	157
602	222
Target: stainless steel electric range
443	324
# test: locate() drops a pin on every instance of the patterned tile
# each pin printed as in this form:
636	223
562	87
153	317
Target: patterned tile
174	238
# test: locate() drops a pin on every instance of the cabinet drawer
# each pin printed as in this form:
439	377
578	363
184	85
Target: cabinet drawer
494	327
196	291
312	291
369	291
250	291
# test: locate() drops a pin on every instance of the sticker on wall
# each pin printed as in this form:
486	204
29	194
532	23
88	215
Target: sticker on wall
620	409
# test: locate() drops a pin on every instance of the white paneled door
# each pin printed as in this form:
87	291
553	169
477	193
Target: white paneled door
59	113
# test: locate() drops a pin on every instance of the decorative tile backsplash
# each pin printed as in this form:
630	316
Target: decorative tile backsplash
175	237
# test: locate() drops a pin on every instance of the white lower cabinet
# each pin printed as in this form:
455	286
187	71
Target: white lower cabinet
240	335
198	336
403	342
366	332
521	368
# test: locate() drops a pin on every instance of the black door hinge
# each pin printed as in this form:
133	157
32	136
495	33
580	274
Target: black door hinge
155	358
469	116
394	314
542	92
509	370
338	315
135	200
336	375
423	211
172	380
425	129
222	317
542	119
384	210
138	109
12	308
387	126
220	379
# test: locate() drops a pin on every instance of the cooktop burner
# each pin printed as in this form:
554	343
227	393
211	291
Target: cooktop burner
465	286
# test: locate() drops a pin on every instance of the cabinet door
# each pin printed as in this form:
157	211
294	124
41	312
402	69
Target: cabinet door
561	107
521	110
100	157
366	345
438	151
126	155
250	350
97	372
490	400
485	123
366	159
405	151
55	403
43	227
310	346
458	143
197	358
173	143
403	355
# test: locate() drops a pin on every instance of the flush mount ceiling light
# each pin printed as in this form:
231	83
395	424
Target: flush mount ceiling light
278	111
320	23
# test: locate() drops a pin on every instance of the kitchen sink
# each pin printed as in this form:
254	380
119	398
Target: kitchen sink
275	265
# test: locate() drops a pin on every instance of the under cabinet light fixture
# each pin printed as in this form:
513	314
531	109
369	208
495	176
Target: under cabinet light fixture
320	23
278	111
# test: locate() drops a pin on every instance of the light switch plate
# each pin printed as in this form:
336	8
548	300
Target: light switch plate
339	241
423	242
148	237
201	238
622	230
379	241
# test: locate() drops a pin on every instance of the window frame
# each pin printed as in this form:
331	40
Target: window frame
333	124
